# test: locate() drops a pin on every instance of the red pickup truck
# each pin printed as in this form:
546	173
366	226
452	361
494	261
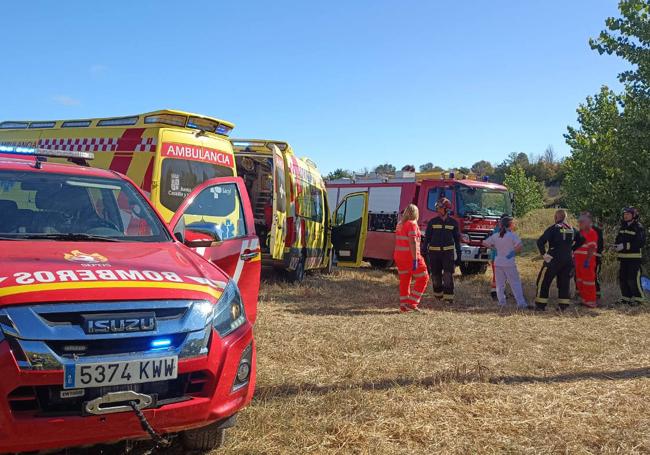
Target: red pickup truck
111	328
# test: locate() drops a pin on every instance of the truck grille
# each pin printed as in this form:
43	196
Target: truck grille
49	336
477	236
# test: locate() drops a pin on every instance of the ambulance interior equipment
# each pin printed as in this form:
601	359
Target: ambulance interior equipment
257	173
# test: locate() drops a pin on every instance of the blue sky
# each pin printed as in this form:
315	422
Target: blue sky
351	84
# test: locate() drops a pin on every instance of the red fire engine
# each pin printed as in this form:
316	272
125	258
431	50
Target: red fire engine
477	205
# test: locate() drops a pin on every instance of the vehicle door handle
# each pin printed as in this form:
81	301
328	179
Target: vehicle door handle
248	255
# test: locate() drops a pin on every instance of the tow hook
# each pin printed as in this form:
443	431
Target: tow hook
118	402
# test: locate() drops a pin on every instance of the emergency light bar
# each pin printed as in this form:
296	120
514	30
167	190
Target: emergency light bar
41	152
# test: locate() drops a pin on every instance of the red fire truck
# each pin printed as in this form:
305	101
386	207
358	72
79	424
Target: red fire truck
477	205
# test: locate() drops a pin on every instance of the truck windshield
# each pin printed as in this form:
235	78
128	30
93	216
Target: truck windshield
482	202
179	177
40	205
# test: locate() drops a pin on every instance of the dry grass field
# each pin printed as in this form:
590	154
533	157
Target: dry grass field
341	371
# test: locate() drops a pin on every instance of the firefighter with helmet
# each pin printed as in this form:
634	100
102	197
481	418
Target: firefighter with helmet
629	244
442	244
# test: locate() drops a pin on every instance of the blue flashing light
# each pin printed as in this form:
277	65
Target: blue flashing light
17	150
161	343
486	178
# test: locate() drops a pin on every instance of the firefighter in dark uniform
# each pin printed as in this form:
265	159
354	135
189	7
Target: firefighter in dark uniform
442	244
629	244
562	241
600	247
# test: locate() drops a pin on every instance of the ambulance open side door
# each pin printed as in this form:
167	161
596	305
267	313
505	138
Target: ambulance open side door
278	231
216	220
350	229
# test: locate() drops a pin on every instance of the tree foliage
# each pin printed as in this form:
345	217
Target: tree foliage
483	167
338	174
609	167
429	167
528	192
385	169
628	37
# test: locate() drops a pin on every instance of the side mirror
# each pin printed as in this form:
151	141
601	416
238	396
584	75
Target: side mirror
202	234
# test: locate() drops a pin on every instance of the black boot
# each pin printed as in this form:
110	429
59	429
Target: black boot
540	306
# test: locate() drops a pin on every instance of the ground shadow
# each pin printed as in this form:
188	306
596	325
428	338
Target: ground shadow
462	375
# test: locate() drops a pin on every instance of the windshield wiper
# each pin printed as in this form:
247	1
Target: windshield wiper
70	237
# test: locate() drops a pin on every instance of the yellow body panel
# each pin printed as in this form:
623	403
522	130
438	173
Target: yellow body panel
299	174
130	145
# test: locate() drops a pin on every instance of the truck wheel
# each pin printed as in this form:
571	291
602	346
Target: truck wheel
204	439
380	263
473	268
297	276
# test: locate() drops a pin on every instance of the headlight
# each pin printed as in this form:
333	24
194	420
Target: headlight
229	310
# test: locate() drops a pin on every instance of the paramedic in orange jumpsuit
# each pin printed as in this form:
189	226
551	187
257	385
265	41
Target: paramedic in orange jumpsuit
585	262
409	261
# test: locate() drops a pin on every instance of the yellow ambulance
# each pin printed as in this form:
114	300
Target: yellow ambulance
292	215
168	153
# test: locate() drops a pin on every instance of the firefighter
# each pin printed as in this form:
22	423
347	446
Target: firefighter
562	240
442	242
629	243
585	262
409	261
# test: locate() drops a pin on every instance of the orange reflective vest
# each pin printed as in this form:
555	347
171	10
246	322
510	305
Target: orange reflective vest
406	230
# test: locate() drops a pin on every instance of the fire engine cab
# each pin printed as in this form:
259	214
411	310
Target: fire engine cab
111	328
477	205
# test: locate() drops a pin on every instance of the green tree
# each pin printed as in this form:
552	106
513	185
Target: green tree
385	169
483	168
628	37
338	174
529	193
429	167
592	171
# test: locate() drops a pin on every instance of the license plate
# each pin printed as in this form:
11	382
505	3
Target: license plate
466	254
84	375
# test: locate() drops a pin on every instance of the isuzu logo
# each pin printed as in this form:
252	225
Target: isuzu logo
119	323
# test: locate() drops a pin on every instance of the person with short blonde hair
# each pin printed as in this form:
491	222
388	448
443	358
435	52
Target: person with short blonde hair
409	261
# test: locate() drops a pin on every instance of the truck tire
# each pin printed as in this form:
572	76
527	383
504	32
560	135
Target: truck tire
204	439
380	263
297	276
473	268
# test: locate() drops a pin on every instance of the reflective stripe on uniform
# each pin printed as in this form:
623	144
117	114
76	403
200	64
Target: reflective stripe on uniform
625	231
403	298
588	283
402	248
403	272
441	248
416	293
419	275
437	294
448	296
449	227
541	300
564	301
412	233
436	226
629	255
401	237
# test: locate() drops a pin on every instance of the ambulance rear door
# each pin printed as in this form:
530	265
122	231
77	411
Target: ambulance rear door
350	228
278	232
217	214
